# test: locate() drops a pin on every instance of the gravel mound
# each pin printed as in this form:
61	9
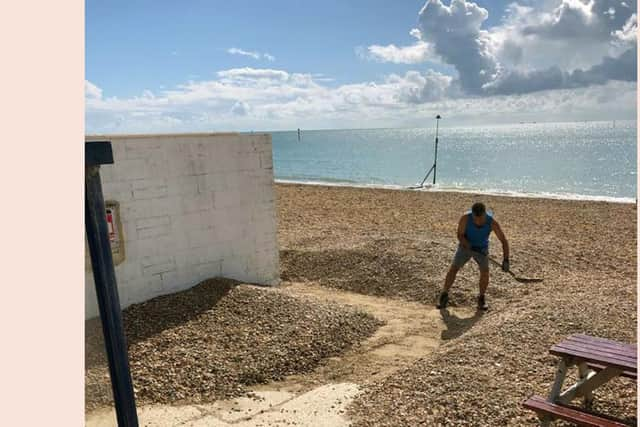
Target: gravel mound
409	268
482	377
211	341
400	244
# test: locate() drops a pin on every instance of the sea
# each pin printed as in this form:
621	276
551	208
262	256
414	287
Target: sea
579	160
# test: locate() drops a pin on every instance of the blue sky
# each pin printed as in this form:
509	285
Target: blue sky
220	65
165	44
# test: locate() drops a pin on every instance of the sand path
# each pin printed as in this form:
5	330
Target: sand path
318	398
412	331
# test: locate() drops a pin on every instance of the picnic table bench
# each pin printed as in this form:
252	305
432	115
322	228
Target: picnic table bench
598	360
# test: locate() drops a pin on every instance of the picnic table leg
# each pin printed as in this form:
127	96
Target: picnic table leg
561	373
591	382
588	396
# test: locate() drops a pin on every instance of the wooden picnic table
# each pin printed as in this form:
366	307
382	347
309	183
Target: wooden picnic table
598	361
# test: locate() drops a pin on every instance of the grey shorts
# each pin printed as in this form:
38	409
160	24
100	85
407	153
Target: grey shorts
463	255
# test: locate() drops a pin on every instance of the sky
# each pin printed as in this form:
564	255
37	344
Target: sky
191	66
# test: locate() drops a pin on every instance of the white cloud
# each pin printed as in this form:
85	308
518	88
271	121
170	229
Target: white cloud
269	99
251	54
248	73
455	33
240	108
91	90
236	51
561	44
414	54
576	19
629	31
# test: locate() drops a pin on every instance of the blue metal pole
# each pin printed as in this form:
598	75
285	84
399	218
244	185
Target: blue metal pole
106	286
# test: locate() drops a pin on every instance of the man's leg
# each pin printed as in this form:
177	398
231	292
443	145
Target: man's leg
484	281
451	277
483	263
443	300
459	260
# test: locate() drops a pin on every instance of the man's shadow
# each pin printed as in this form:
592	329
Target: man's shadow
457	326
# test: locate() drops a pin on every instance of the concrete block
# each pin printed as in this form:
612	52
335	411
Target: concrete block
142	289
201	238
150	232
134	209
182	257
142	184
218	251
155	167
234	268
169	280
208	219
186	276
266	239
197	203
235	182
161	245
143	149
243	248
117	192
129	232
150	189
148	261
266	161
265	225
209	270
132	250
118	149
199	166
151	222
212	182
204	255
228	232
180	241
228	164
155	265
183	185
185	222
106	174
129	169
177	166
242	214
128	271
226	199
166	206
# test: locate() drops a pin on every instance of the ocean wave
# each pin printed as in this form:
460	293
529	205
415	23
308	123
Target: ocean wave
486	192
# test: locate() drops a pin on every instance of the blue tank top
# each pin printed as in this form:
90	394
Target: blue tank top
478	237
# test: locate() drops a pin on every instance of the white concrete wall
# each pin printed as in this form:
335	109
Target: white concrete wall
193	206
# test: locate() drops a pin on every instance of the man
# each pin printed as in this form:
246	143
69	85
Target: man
474	229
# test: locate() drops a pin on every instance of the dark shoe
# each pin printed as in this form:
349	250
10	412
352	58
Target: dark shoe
443	301
482	303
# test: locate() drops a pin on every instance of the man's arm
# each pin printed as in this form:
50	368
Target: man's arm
462	224
505	245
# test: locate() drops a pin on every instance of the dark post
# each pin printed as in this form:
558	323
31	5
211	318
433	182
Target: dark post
435	158
97	153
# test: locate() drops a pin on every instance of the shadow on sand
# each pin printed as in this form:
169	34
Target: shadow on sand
457	326
144	320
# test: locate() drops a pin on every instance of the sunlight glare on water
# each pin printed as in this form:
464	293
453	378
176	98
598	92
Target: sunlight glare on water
587	159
